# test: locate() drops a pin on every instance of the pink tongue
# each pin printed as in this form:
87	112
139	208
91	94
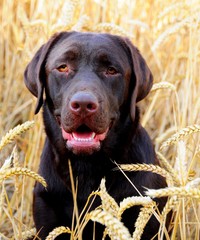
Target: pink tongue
84	135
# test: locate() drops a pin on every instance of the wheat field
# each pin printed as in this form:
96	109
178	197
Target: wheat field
168	36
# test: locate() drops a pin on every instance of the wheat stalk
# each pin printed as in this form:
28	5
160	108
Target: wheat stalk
180	135
13	133
148	168
174	191
2	197
115	227
58	231
21	171
181	163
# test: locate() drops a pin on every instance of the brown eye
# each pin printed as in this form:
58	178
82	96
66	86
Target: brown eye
111	71
63	68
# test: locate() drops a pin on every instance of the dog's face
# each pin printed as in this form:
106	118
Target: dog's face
88	79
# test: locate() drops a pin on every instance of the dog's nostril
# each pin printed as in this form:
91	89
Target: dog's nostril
75	105
82	102
91	106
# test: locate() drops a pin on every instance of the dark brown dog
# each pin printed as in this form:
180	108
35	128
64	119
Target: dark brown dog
91	84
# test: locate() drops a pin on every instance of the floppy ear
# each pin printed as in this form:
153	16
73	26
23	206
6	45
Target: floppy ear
141	74
34	75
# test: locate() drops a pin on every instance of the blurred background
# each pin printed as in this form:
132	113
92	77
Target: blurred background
168	35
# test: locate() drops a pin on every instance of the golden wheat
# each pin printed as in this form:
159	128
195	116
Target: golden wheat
180	135
175	191
168	38
108	203
133	201
170	205
26	235
114	226
4	174
173	29
163	85
148	168
166	165
143	218
13	133
58	231
111	28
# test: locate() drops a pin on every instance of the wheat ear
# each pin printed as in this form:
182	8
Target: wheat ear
174	191
13	133
108	203
180	135
110	27
114	226
163	85
169	31
58	231
133	201
21	171
142	219
28	234
148	168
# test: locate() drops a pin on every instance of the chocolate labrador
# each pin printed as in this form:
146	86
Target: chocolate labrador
89	85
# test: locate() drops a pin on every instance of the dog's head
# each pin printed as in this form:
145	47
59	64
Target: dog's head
89	81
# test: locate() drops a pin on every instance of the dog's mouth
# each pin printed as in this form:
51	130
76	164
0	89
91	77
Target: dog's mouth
83	140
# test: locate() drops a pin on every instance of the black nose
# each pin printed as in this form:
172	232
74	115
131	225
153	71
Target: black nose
83	103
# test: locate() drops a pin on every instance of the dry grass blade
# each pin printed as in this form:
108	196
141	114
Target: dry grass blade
58	231
114	226
148	168
21	171
174	191
180	135
13	133
163	85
